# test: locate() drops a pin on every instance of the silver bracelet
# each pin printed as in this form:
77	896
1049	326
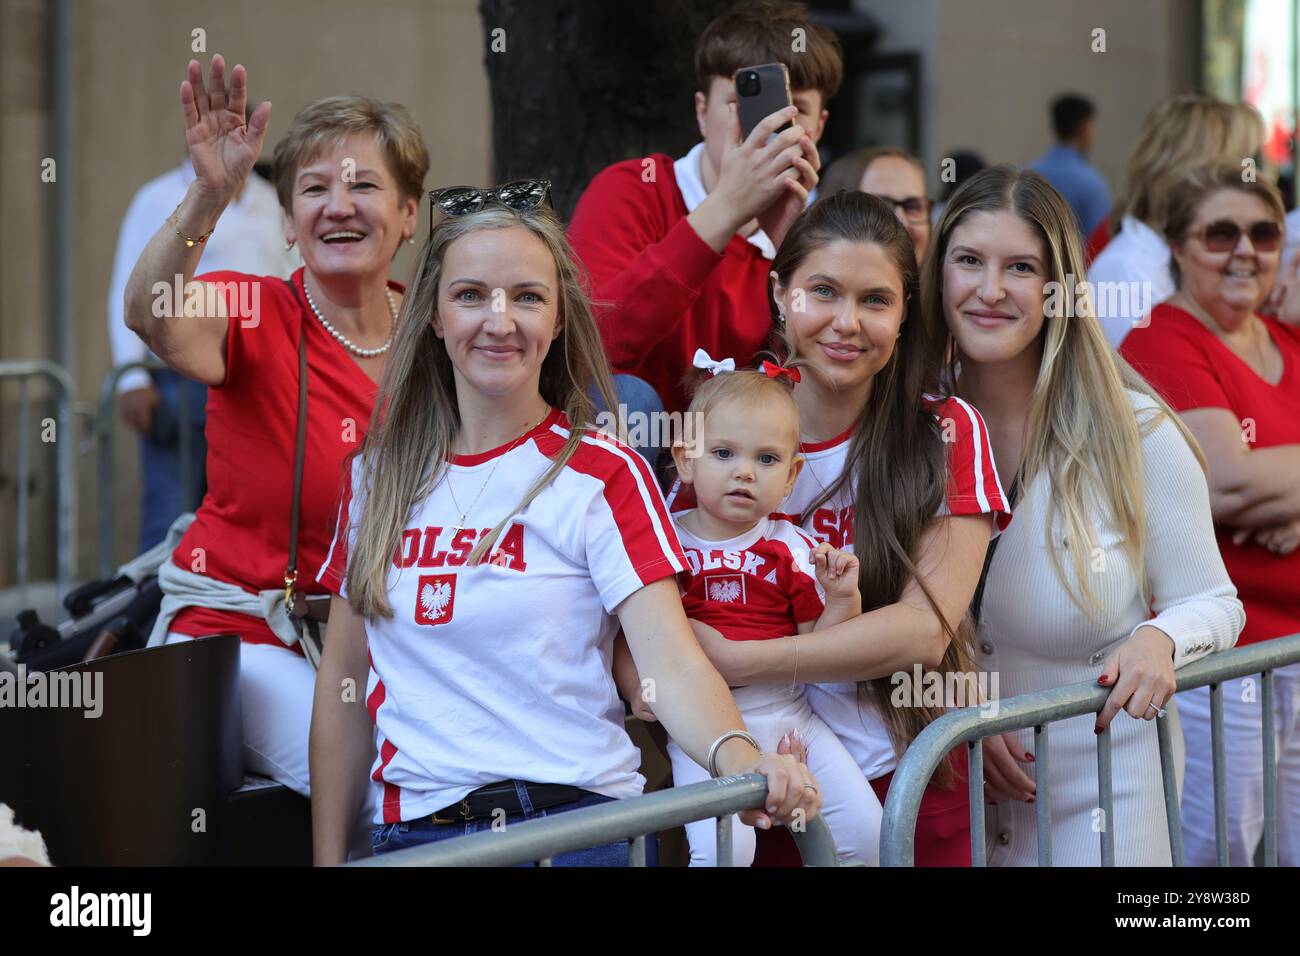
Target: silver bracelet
713	751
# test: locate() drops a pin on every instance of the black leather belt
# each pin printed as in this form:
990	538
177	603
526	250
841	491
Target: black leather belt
485	800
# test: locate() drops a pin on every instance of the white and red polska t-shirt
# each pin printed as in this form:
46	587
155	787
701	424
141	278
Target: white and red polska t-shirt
753	587
973	488
503	670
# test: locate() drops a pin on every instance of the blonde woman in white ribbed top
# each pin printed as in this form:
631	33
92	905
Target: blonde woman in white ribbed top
1110	571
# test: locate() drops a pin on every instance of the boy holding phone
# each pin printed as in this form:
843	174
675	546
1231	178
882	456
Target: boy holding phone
679	251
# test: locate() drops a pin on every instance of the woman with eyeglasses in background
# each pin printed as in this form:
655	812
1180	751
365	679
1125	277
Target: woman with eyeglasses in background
893	174
490	544
349	173
1234	377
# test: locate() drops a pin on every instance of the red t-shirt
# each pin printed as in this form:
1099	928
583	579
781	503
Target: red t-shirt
242	525
660	291
1191	367
1098	241
754	587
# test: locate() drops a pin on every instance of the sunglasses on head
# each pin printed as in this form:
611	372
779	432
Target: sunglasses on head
1222	235
520	195
915	208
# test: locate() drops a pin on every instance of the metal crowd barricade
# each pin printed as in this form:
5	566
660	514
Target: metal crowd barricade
1040	709
65	442
105	425
540	841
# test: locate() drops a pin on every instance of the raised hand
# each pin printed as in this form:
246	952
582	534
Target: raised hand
223	148
800	180
837	572
756	177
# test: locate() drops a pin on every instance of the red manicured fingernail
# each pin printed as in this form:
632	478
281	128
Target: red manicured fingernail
1103	680
1030	757
1097	729
1030	799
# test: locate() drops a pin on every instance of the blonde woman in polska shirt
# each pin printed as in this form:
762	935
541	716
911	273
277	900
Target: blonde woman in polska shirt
489	547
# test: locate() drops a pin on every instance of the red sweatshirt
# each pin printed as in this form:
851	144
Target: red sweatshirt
660	291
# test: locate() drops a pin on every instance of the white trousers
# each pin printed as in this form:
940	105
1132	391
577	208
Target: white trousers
849	805
276	690
276	687
1243	762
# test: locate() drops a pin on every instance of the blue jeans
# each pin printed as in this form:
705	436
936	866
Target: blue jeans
641	403
163	498
388	837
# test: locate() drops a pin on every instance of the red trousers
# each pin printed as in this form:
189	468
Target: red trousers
942	825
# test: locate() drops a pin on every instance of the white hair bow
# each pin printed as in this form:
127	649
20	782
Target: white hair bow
713	367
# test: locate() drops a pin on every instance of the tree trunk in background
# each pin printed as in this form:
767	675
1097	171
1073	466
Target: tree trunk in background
582	84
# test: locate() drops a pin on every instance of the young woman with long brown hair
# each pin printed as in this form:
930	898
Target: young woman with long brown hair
893	472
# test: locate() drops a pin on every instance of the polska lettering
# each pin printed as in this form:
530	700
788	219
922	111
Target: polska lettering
430	548
746	562
835	527
81	690
103	909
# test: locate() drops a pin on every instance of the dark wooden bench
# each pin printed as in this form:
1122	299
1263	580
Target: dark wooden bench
157	778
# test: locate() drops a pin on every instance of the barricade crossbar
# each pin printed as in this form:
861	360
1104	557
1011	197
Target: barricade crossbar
1038	710
630	819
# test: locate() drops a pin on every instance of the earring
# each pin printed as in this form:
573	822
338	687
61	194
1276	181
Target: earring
780	317
410	240
899	335
288	245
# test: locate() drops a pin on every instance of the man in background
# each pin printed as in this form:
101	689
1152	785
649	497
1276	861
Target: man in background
1066	165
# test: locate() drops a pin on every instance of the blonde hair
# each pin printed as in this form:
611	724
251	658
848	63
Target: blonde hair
746	387
1181	133
1196	187
1081	430
416	416
324	124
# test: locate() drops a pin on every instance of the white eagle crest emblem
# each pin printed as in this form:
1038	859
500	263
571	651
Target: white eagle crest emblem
725	591
434	598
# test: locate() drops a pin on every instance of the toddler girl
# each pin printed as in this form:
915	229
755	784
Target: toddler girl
754	575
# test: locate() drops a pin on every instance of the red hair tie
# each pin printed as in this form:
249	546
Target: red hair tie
772	370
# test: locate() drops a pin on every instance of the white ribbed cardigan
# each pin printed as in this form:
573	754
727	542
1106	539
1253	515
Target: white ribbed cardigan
1035	637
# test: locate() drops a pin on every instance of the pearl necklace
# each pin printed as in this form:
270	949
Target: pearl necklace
343	339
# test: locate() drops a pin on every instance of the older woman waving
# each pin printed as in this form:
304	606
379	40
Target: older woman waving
348	173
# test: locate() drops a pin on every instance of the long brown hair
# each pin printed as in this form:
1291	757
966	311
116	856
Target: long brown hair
416	416
897	459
